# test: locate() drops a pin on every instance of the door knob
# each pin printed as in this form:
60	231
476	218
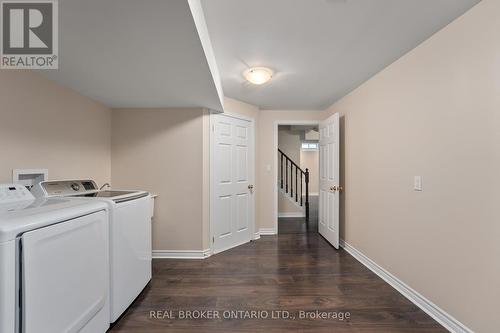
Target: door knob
250	187
336	188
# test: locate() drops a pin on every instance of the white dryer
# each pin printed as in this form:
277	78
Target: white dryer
54	263
130	235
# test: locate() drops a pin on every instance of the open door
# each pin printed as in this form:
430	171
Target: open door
232	182
329	191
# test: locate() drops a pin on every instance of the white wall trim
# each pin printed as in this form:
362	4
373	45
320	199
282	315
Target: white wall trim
438	314
181	254
267	231
275	175
291	214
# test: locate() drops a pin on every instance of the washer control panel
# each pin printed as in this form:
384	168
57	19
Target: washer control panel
14	193
63	188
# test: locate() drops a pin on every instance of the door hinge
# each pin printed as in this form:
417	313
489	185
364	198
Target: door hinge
213	239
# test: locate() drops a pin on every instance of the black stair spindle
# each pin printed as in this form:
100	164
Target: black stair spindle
286	176
307	194
301	188
296	187
281	175
291	179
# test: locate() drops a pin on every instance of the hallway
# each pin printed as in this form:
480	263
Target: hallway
295	271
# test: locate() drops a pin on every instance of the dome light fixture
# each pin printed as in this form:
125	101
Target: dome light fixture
258	75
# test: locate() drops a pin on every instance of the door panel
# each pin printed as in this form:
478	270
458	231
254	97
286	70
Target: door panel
329	180
232	199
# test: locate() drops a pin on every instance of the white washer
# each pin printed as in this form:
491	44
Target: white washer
54	259
130	235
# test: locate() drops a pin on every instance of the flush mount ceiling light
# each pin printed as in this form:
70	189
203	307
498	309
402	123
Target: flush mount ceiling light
258	75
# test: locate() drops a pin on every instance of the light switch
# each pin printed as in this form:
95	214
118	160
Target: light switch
417	183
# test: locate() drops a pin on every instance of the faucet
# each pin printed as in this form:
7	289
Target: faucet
104	185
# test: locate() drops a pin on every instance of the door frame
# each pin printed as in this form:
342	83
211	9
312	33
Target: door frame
212	115
276	125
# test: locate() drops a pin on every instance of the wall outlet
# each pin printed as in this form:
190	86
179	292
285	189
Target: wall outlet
417	183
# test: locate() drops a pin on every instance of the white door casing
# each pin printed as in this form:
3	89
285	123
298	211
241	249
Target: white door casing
329	190
232	217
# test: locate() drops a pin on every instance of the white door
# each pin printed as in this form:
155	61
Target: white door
329	180
232	182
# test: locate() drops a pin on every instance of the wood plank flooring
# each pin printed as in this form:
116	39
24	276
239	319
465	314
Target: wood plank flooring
295	271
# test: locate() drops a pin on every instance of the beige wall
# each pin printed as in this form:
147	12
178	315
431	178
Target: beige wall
435	113
310	160
43	125
163	151
290	143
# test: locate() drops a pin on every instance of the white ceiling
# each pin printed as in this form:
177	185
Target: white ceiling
130	53
320	49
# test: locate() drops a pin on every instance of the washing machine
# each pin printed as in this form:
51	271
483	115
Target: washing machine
54	264
130	235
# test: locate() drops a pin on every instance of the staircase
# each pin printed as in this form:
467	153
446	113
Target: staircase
294	181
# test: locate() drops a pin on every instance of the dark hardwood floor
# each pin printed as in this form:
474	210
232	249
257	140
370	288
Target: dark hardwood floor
295	271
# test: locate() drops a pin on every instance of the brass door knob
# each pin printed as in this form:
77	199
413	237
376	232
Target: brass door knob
250	187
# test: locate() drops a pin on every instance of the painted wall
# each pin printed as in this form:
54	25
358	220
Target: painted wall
435	113
310	160
290	143
44	125
162	151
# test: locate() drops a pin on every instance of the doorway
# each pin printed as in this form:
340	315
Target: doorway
297	176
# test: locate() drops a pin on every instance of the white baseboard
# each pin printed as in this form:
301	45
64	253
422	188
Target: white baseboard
181	254
441	316
267	231
292	214
256	235
315	194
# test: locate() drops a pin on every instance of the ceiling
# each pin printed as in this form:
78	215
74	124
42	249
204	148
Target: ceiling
320	49
129	53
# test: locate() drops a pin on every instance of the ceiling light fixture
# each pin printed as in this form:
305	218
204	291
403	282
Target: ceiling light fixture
258	75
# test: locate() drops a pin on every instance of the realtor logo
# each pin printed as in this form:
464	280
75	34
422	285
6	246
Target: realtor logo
29	34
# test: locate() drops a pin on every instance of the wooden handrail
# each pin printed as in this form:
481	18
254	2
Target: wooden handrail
291	161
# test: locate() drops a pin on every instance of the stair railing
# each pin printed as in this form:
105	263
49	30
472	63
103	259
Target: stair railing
298	177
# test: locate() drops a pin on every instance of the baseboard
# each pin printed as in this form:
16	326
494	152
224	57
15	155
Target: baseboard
267	231
256	235
181	254
292	214
441	316
315	194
